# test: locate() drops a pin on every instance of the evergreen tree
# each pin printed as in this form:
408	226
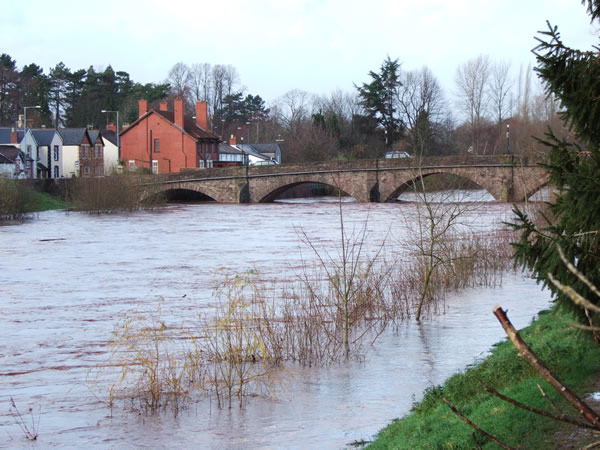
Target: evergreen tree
573	76
378	98
10	94
36	91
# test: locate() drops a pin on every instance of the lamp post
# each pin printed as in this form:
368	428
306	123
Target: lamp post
248	126
508	138
118	138
25	108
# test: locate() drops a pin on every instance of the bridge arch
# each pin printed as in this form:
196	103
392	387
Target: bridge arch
209	190
405	180
187	195
265	190
272	196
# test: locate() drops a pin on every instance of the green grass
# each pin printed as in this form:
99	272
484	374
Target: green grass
575	360
40	201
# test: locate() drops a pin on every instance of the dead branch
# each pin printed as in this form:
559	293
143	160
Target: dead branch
588	413
472	425
563	418
549	400
477	444
577	273
584	327
575	297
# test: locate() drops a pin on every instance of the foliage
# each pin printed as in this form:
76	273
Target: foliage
574	220
14	199
433	425
378	98
114	193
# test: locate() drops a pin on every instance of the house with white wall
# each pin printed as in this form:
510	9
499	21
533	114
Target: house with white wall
12	161
111	151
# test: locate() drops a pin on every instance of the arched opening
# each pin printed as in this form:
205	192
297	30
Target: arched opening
441	188
307	192
186	196
543	193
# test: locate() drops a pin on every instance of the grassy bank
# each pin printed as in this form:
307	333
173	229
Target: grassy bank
576	361
41	201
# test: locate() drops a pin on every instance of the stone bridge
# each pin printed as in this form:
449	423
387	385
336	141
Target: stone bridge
507	178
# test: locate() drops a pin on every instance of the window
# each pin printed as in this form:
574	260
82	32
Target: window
157	146
209	163
87	171
29	151
56	153
201	163
77	168
84	151
154	166
132	165
56	172
98	151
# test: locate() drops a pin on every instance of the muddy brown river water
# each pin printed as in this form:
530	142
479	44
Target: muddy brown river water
66	277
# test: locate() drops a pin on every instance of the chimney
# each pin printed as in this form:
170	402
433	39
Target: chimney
111	127
14	138
164	106
143	107
202	115
178	112
232	140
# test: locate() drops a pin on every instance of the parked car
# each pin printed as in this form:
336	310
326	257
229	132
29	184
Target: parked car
391	155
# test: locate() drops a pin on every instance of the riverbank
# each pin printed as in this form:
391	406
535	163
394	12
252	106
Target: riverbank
576	361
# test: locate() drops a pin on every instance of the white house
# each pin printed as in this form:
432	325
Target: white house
111	151
12	161
37	145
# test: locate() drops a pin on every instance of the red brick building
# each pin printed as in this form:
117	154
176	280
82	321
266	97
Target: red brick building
167	141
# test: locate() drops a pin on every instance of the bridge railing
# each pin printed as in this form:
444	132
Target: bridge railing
345	166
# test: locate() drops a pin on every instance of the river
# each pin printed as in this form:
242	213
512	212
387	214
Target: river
66	277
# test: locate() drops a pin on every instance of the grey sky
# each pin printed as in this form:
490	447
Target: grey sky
277	45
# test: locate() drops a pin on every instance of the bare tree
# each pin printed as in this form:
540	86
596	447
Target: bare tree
179	79
421	104
292	108
200	81
471	82
524	93
500	86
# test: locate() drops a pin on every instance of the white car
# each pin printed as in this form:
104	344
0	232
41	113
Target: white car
390	155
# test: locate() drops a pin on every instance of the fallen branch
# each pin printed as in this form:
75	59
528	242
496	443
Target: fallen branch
549	400
588	413
472	425
541	412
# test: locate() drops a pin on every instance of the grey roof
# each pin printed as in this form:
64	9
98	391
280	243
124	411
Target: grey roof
93	134
43	136
8	153
72	136
265	148
5	135
228	149
249	150
110	136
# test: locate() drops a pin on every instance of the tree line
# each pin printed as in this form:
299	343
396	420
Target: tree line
395	109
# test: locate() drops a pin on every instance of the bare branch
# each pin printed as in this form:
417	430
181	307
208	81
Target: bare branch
526	352
472	425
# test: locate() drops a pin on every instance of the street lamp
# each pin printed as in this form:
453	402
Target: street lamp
118	138
508	138
248	126
25	116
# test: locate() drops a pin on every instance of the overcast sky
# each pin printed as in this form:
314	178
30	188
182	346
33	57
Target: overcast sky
278	45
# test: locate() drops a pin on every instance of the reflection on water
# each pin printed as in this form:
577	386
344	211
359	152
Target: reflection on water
66	278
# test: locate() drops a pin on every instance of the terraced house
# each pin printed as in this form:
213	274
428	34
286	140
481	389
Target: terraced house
166	141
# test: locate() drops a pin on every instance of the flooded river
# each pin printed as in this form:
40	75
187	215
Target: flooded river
65	278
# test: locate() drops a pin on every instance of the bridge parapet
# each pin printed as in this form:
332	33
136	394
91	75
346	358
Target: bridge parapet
506	177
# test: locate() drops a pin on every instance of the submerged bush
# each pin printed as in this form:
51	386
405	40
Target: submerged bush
14	198
118	192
